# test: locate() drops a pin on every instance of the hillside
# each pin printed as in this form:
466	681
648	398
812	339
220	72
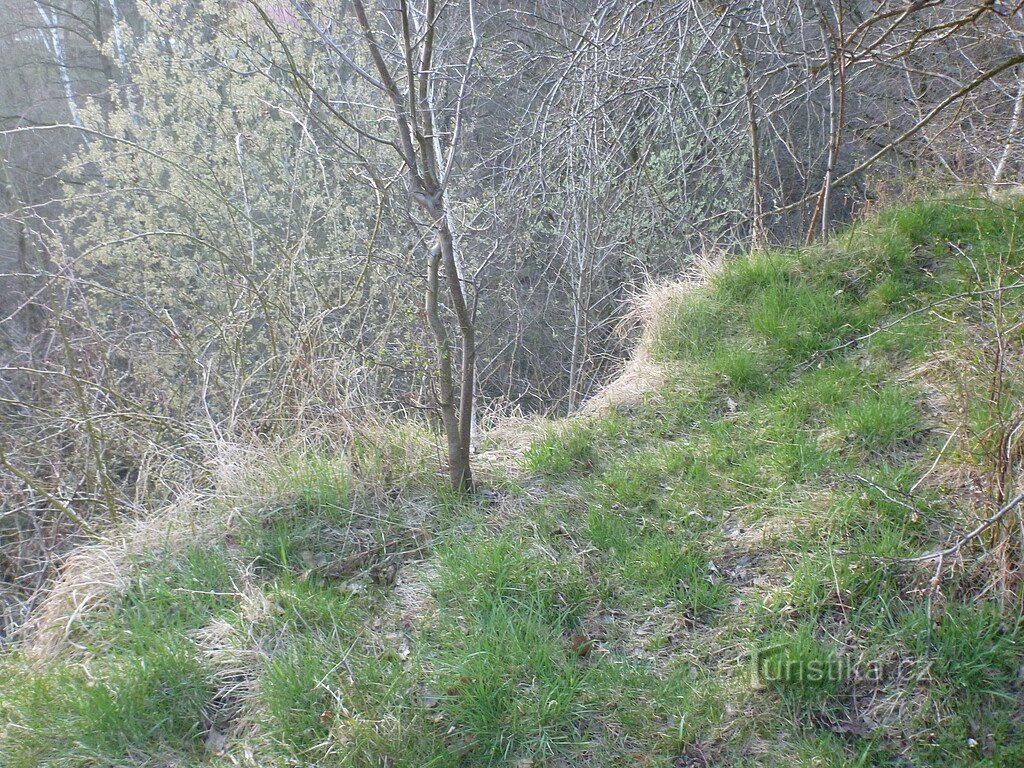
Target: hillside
711	566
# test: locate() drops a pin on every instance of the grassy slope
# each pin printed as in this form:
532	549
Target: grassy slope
602	605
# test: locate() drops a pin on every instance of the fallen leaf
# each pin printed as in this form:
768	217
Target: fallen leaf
582	644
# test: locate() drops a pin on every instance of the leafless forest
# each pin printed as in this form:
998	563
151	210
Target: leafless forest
238	220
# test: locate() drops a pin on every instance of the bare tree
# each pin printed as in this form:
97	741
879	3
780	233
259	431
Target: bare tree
407	77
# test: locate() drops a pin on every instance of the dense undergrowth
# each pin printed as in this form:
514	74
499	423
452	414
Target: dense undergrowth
712	575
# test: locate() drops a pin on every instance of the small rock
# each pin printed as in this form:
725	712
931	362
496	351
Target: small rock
215	741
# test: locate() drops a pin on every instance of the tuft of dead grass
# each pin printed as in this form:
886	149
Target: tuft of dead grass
236	664
638	378
93	576
642	374
505	440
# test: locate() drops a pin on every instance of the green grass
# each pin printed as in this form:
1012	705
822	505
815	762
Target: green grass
613	605
972	649
685	574
513	683
695	325
148	684
801	667
803	318
180	595
881	420
562	452
66	714
513	686
315	512
317	482
743	368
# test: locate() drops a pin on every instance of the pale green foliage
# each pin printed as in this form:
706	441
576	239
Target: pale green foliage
223	235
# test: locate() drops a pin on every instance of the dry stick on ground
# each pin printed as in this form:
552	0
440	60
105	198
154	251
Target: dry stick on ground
970	536
887	493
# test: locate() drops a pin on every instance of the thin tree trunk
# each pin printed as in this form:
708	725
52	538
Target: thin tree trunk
458	464
459	450
57	49
420	148
1011	137
122	60
836	112
757	235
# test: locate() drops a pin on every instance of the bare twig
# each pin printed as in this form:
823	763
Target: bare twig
970	536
